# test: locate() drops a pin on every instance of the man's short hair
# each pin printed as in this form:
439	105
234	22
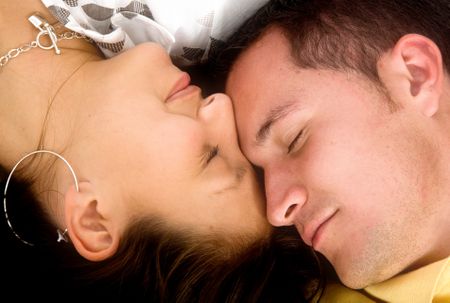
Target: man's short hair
346	35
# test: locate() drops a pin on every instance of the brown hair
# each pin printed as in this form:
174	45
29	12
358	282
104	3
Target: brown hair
155	263
345	34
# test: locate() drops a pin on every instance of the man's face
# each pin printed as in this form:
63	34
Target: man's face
349	172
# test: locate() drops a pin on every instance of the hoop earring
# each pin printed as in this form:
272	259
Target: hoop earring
62	236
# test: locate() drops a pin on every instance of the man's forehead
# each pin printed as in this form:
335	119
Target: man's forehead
254	75
271	44
254	84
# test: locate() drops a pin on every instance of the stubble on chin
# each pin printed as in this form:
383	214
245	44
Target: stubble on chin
384	255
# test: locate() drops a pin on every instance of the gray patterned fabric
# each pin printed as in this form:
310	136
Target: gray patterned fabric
188	30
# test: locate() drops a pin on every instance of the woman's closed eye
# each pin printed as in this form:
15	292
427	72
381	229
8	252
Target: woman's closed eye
211	154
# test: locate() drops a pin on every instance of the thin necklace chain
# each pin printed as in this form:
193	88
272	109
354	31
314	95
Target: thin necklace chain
45	29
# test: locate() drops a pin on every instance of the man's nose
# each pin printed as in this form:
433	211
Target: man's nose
285	198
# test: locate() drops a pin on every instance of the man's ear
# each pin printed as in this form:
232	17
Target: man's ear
95	237
413	73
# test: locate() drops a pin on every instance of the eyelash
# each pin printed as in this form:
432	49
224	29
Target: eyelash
294	142
212	153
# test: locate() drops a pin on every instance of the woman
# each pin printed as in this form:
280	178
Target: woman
155	194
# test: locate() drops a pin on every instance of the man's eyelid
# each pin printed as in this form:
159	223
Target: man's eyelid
292	130
296	140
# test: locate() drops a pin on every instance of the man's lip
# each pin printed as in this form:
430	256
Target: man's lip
183	82
314	225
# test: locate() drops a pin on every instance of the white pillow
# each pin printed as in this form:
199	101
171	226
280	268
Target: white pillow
187	29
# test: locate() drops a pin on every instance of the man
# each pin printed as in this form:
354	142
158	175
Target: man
345	105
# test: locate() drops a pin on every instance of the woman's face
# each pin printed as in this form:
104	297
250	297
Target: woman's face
156	145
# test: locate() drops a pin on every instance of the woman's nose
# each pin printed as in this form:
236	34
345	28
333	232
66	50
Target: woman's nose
217	113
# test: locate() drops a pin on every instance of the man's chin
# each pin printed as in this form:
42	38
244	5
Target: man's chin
359	278
352	283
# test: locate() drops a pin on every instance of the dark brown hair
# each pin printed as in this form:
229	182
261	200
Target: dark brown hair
345	34
155	263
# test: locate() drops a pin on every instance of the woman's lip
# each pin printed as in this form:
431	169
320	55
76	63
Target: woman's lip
190	89
182	83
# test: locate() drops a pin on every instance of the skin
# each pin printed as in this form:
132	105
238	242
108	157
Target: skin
212	192
365	185
136	150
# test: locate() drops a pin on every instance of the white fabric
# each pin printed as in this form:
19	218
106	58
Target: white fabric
188	29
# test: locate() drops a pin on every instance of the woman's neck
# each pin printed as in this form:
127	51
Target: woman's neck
30	82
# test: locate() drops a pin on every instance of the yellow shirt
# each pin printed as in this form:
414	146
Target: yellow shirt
429	284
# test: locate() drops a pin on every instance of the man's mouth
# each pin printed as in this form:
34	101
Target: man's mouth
314	229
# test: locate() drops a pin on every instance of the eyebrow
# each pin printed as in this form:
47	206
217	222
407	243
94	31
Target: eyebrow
273	117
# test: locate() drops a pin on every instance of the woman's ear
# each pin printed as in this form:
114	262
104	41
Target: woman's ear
413	72
95	237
